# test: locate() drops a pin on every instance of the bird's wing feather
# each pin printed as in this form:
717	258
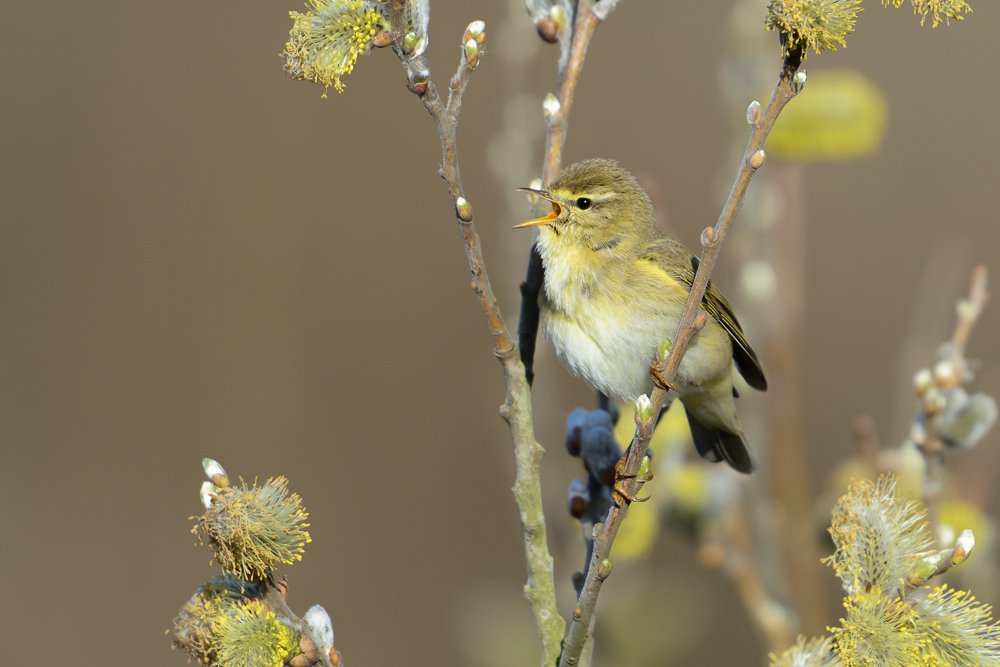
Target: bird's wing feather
716	305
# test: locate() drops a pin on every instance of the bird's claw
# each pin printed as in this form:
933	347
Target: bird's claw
620	494
659	380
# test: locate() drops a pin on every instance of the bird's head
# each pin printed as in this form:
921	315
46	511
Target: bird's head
595	202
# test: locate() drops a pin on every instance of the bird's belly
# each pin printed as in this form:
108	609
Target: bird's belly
613	355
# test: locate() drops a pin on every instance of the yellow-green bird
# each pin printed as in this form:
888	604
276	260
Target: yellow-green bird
615	287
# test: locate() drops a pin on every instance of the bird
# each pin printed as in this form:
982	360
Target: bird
615	287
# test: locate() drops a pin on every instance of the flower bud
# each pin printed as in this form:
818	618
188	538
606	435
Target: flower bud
208	493
464	209
922	381
551	110
382	40
756	160
418	71
643	409
472	53
547	29
966	419
558	14
574	431
475	31
319	622
579	498
963	546
754	112
215	472
799	82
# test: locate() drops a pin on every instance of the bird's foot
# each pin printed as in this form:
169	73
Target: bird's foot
619	494
659	380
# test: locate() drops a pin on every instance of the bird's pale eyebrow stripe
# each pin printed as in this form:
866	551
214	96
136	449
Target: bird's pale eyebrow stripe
603	197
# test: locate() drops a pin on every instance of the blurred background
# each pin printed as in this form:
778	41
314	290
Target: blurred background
201	257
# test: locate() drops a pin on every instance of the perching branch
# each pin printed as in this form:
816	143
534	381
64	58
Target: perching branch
516	410
788	86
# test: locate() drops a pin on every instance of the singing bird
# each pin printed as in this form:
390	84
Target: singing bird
615	287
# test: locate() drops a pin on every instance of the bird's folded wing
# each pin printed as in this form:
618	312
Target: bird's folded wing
718	307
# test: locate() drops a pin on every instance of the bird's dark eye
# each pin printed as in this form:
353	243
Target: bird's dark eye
583	203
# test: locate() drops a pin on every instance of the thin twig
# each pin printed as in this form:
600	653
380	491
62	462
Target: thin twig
588	17
516	410
937	564
604	535
953	371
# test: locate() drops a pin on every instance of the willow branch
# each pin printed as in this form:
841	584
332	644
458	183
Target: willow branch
516	410
937	564
787	87
953	371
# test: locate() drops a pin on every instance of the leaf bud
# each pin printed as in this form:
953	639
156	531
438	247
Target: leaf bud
410	42
208	493
643	409
701	320
754	112
472	53
215	472
756	160
967	310
335	658
464	209
799	82
663	349
604	571
644	468
924	570
963	546
707	236
922	381
475	31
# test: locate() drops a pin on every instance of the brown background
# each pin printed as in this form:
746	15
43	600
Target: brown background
201	257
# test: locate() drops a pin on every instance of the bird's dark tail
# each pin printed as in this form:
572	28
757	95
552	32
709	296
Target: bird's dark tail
715	445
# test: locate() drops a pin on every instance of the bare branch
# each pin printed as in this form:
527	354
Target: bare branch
788	85
516	410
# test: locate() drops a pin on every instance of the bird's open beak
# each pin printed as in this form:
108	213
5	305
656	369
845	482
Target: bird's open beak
554	215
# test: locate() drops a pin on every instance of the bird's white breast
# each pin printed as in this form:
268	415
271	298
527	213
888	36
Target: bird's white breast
607	343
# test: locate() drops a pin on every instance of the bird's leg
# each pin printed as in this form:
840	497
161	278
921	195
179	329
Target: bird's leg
658	379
